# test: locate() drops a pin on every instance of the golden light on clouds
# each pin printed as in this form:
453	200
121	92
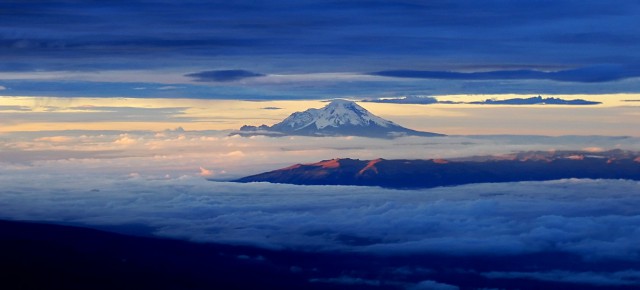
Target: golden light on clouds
613	117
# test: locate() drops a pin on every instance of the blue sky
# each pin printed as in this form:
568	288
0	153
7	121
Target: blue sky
287	49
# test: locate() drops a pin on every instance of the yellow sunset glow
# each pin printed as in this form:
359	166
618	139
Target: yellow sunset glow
613	117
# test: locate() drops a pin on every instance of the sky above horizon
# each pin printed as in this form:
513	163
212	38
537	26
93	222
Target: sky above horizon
158	65
284	49
616	115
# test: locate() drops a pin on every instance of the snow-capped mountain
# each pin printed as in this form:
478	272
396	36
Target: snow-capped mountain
335	114
338	118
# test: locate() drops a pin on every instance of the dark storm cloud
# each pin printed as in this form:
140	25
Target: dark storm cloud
223	75
594	74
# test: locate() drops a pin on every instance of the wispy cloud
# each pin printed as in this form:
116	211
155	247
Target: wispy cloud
169	88
94	114
15	108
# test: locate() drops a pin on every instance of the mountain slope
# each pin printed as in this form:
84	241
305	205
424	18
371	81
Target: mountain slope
525	166
338	118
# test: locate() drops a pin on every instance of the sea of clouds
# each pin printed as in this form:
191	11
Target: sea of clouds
596	219
158	181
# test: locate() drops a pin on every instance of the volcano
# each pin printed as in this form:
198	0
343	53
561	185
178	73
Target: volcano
338	118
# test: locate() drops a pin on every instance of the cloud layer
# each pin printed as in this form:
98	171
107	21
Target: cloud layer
156	181
594	219
246	30
534	47
179	152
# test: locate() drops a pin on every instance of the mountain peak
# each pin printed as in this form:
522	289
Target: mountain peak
342	103
336	102
343	112
339	118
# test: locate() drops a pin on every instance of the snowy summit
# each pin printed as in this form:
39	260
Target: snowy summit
338	113
338	118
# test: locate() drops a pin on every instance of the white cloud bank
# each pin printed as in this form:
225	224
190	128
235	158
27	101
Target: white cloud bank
596	219
179	152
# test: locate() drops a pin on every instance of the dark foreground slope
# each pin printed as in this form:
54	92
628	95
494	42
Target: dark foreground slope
45	256
526	166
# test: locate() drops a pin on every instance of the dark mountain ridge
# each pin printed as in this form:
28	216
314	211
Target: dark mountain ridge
405	174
